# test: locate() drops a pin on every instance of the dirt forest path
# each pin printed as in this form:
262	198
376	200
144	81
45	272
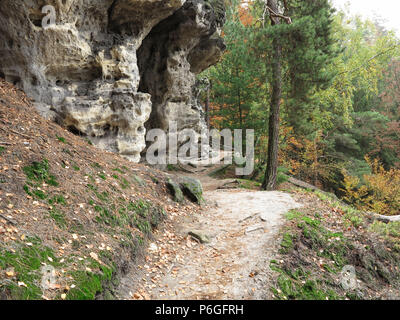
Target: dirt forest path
233	238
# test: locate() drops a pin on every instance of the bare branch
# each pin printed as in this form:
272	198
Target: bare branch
285	5
272	13
7	219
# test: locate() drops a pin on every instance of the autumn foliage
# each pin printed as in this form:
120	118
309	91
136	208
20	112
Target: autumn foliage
380	191
339	106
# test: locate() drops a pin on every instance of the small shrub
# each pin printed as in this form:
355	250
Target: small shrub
27	262
282	175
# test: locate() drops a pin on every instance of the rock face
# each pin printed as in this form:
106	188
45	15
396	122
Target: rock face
175	190
110	69
193	189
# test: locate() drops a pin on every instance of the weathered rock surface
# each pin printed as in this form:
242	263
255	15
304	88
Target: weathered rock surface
110	69
175	190
193	189
199	236
186	186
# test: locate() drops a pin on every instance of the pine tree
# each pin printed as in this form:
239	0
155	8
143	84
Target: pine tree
300	53
310	49
236	80
271	172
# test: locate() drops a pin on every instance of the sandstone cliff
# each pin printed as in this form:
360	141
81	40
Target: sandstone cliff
110	69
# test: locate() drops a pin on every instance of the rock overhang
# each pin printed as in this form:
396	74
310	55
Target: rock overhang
97	70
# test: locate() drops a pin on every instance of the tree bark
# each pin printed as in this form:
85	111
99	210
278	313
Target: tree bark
207	108
269	182
239	101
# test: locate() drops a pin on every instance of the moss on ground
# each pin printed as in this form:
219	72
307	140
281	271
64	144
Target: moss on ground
320	240
59	217
296	280
40	172
37	174
140	214
390	231
61	139
91	283
25	260
55	200
298	285
90	280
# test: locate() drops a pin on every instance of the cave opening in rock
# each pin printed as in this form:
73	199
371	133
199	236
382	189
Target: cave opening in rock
152	59
75	131
36	17
149	65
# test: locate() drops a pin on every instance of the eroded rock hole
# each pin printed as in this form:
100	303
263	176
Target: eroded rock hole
36	17
15	80
75	131
152	63
140	130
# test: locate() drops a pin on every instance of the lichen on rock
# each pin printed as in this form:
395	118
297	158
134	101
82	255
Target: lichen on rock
175	190
193	189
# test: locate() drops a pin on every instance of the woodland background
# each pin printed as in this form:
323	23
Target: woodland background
339	125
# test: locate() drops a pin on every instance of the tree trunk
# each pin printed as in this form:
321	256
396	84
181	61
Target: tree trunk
207	108
273	129
239	102
240	111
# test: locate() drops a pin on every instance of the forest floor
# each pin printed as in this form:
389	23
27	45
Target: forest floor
77	222
239	239
74	219
291	244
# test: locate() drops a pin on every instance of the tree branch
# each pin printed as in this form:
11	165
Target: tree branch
7	219
370	59
385	219
272	13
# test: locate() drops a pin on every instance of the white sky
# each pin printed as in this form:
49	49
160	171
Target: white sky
385	10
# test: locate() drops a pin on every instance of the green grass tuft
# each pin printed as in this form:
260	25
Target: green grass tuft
61	139
39	172
27	262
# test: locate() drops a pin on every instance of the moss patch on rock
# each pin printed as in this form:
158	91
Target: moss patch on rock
193	189
175	190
